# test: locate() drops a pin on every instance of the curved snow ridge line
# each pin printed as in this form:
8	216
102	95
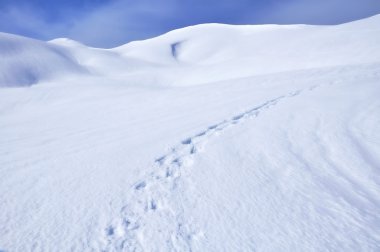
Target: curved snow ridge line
152	196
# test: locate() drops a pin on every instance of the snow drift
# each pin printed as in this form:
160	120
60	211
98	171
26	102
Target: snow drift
27	61
184	56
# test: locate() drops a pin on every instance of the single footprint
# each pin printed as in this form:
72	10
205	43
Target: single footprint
140	185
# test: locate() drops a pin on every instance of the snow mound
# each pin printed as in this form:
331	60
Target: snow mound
231	51
264	46
206	52
26	61
66	42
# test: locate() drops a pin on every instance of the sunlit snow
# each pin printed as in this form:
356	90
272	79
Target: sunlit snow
208	138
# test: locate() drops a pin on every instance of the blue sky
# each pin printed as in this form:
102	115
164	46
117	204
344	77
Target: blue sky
108	23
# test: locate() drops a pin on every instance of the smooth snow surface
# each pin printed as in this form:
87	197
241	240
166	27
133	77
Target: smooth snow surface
26	61
208	138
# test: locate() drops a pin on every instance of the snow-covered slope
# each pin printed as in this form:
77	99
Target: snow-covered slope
194	55
239	51
27	61
207	138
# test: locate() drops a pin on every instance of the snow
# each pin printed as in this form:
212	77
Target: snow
26	61
208	138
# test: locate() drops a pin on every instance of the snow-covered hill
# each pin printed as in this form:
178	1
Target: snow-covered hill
208	138
27	61
194	55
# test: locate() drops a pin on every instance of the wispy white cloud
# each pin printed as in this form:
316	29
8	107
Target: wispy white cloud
124	21
24	19
317	12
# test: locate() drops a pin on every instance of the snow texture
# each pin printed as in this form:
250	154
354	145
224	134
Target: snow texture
208	138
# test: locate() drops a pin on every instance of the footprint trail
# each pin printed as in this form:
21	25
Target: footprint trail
154	212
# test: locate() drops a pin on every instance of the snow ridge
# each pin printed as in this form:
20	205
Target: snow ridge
155	194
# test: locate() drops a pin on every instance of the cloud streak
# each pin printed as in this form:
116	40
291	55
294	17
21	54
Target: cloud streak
319	12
